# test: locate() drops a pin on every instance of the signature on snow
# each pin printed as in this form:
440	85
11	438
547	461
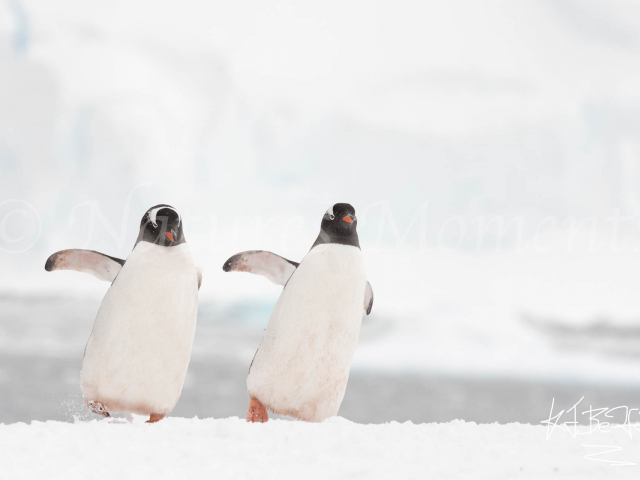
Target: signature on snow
599	421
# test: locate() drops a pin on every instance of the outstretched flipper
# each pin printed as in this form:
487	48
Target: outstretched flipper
101	266
368	298
277	269
260	262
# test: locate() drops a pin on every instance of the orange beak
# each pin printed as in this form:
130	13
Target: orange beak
347	219
169	236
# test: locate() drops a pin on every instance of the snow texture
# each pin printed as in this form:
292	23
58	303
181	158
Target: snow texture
231	448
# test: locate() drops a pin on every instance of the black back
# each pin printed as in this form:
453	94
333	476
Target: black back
336	227
161	225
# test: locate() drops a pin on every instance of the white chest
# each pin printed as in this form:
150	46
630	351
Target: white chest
140	346
326	286
302	366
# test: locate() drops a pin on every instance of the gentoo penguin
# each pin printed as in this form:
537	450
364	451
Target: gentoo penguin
137	355
302	365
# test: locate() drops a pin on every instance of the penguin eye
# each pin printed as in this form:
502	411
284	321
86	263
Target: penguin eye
331	217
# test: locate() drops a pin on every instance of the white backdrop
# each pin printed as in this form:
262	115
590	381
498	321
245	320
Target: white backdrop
432	118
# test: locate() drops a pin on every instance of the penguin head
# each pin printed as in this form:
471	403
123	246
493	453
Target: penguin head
161	225
340	220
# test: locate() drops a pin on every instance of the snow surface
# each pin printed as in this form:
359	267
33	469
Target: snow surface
231	448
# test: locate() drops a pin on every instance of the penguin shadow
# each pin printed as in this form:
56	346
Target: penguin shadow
118	421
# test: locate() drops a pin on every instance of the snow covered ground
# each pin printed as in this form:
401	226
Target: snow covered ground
434	119
233	449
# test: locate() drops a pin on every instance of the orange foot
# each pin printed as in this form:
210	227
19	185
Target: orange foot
257	412
154	417
99	408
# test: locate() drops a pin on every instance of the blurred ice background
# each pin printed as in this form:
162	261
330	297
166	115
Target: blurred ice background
491	150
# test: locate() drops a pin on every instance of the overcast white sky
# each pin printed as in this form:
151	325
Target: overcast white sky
253	117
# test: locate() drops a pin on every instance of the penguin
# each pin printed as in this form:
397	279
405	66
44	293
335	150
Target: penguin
138	353
302	366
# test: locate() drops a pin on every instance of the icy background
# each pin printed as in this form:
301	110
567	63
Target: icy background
491	150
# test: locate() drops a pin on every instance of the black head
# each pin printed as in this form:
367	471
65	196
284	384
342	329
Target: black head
339	226
161	225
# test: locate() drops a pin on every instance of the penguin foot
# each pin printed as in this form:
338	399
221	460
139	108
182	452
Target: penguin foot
257	412
97	407
154	417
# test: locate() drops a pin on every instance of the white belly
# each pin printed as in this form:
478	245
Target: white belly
137	356
302	366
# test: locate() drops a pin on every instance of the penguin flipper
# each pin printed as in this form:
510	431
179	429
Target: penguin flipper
260	262
368	298
101	266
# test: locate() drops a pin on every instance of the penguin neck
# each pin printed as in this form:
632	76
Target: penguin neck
324	237
157	257
148	237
